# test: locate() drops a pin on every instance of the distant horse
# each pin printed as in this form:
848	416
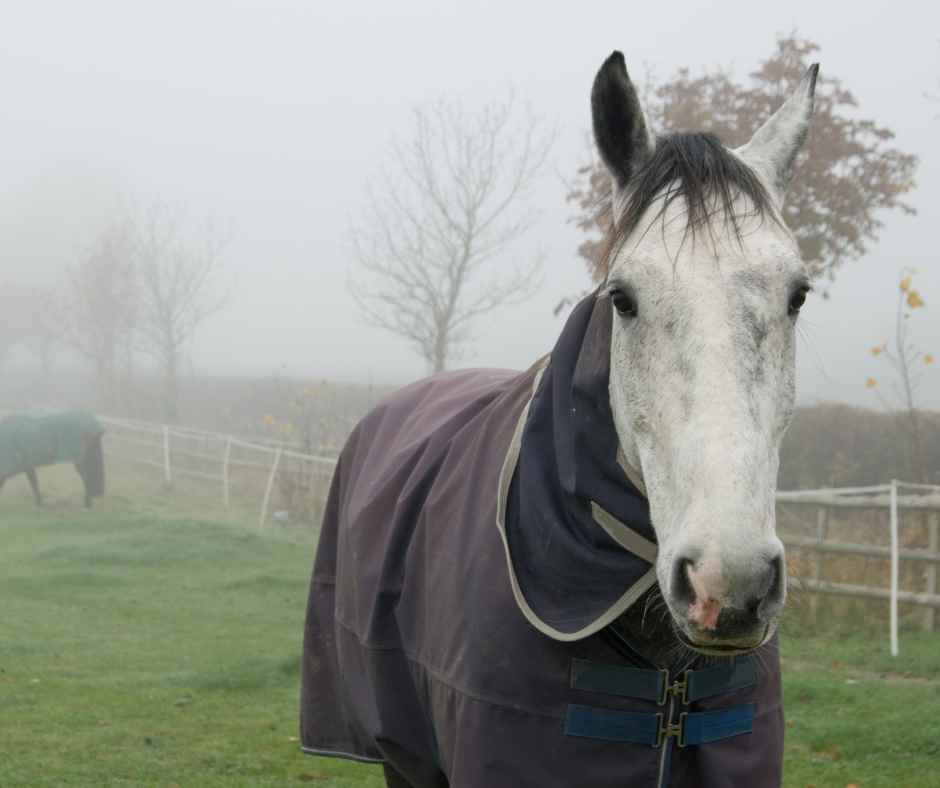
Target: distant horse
29	442
570	576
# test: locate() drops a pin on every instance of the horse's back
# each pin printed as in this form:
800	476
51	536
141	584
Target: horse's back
416	652
30	441
386	549
394	463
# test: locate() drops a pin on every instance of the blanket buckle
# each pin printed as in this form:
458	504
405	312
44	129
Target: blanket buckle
678	689
669	729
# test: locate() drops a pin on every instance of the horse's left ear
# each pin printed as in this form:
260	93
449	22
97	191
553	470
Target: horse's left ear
774	145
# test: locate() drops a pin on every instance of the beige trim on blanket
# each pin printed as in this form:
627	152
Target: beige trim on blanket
624	535
635	477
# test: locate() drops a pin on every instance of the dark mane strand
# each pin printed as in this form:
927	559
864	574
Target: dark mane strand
698	169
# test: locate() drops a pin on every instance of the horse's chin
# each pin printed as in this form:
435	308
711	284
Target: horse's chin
725	648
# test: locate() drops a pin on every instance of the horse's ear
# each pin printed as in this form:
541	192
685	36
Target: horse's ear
774	145
623	136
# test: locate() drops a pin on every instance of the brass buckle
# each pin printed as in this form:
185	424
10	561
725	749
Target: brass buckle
664	695
671	729
679	688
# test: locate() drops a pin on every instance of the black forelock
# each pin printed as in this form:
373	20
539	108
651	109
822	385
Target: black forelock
696	168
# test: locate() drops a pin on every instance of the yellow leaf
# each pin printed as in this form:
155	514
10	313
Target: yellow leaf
877	351
914	300
905	283
928	359
871	383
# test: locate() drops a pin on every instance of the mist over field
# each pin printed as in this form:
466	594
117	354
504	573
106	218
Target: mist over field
229	229
273	119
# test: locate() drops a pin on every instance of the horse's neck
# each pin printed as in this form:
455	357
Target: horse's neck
648	626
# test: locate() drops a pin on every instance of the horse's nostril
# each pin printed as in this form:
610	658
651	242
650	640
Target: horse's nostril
767	590
772	589
776	576
682	590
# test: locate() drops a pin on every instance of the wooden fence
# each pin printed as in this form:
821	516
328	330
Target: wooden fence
896	498
215	458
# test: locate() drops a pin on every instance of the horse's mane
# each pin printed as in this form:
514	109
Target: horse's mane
696	168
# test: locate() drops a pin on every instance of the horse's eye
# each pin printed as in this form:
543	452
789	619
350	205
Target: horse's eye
623	302
797	300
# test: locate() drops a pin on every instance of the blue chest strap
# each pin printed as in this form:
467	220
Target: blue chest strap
653	685
651	729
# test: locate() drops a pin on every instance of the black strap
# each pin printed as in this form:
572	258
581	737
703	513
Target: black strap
634	727
707	726
726	677
618	680
648	728
653	685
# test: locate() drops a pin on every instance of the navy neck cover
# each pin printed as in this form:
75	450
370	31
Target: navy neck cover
569	569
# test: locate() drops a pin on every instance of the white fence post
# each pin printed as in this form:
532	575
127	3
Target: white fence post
933	544
267	492
225	462
822	526
894	567
167	472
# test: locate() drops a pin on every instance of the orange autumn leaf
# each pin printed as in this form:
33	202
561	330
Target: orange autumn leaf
928	359
914	300
871	383
905	283
878	350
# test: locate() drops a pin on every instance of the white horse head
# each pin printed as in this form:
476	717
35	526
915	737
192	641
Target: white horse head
706	284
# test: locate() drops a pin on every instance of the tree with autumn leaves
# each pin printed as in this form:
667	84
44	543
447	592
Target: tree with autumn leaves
847	173
907	364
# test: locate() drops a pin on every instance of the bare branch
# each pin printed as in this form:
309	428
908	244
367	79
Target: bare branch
101	308
178	267
451	204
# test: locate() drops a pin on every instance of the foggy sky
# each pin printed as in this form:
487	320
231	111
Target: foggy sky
273	116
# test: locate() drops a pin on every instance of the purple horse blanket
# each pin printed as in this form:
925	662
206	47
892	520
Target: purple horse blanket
479	543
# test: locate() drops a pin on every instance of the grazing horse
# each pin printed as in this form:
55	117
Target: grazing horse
29	442
570	576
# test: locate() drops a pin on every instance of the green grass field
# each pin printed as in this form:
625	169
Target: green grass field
140	647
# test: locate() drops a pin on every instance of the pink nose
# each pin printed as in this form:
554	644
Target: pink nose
728	604
708	589
705	614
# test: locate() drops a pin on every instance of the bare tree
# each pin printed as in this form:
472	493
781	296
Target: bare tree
100	298
46	330
178	268
434	224
14	317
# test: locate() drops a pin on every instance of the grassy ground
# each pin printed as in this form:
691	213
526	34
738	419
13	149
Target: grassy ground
138	647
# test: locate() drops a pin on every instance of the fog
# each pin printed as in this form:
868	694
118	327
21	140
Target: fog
272	117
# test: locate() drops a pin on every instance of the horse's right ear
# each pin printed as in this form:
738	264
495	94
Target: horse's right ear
623	136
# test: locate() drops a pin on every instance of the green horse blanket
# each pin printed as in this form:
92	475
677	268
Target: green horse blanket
33	441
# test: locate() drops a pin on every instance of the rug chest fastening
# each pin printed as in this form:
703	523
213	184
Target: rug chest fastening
653	728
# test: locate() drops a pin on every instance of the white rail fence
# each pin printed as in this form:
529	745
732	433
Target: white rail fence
218	459
223	460
896	498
